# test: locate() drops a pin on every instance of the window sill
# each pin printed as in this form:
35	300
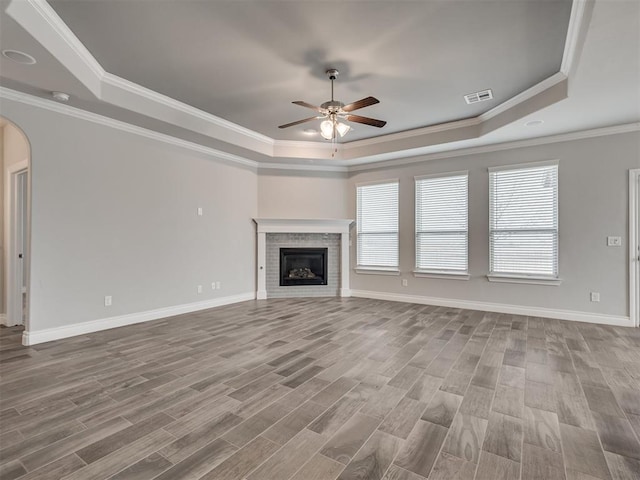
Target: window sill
442	275
524	279
377	271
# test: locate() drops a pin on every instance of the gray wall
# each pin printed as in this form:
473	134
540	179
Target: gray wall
302	195
114	213
593	203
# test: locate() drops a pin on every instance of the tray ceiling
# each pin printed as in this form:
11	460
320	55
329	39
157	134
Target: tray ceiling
219	76
247	61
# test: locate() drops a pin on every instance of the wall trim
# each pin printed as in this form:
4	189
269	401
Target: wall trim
634	246
136	89
14	309
496	147
581	11
120	125
558	314
32	337
72	53
265	166
302	168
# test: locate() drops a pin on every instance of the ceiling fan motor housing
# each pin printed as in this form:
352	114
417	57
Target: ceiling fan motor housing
332	106
332	73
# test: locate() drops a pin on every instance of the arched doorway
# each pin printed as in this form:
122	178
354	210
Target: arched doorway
15	211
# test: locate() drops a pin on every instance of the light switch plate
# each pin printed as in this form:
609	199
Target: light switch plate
614	241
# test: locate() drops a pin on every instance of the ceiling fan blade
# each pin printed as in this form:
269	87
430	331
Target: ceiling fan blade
307	105
287	125
366	120
365	102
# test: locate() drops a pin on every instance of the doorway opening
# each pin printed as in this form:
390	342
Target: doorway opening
15	225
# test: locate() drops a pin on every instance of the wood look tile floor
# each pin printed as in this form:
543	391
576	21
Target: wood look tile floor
325	389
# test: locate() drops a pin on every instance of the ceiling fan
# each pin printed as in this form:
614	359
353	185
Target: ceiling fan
333	111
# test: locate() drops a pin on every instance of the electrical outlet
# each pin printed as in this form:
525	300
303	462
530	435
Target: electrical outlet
213	285
405	282
199	211
595	296
218	285
108	300
199	288
614	241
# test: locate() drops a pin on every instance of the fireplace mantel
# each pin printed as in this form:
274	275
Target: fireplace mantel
287	225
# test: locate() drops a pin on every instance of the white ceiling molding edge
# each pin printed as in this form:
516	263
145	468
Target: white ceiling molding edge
496	147
24	98
218	155
43	23
576	33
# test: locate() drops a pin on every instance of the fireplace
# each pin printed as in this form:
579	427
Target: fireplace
276	233
303	266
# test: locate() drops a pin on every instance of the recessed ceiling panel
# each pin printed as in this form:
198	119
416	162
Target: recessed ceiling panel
246	61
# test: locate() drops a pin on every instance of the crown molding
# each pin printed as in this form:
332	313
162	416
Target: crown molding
78	113
522	97
46	26
43	23
579	21
113	85
537	89
416	132
220	155
296	167
496	147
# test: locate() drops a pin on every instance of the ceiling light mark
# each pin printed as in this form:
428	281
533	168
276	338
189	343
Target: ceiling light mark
19	57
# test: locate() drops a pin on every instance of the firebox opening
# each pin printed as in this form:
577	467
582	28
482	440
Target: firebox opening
303	266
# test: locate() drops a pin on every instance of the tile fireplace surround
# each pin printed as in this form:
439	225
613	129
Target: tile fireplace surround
302	226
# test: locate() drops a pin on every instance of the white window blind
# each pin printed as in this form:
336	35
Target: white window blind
523	221
377	212
442	223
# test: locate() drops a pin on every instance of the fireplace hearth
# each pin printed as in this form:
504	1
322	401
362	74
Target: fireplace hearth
303	266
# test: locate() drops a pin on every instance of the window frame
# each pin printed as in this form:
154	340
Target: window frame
378	269
440	273
524	278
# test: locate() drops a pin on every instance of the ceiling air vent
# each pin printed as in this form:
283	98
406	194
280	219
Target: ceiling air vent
478	96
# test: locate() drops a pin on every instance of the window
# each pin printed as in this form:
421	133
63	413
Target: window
377	212
523	221
442	223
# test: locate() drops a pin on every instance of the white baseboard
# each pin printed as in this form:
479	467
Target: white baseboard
57	333
615	320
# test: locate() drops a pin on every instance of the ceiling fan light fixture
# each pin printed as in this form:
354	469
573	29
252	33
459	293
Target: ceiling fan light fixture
333	111
343	129
326	129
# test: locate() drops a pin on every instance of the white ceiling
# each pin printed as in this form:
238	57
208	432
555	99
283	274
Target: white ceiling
244	62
